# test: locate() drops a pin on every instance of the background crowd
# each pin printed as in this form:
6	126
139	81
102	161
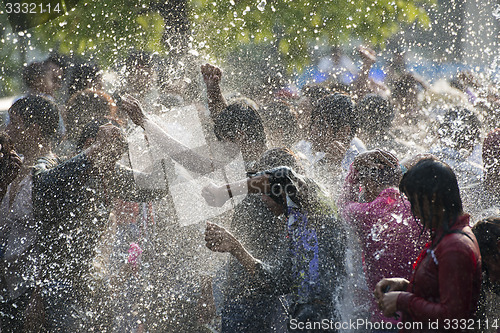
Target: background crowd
357	198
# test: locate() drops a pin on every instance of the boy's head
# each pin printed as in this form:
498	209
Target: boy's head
241	124
32	119
333	118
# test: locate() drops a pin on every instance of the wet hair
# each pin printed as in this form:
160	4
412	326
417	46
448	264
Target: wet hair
315	92
32	74
37	110
6	143
86	106
238	118
60	60
83	76
335	111
278	116
491	150
435	182
460	128
375	113
387	175
487	233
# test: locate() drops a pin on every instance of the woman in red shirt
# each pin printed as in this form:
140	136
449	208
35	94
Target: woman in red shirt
444	289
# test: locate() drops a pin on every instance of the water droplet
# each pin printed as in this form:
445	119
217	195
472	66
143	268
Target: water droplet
262	5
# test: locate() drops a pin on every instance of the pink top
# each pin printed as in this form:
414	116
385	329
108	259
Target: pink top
389	235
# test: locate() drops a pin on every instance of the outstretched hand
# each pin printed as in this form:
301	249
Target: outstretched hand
133	109
211	75
10	166
389	284
214	195
219	239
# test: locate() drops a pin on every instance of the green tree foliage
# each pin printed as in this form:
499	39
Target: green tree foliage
108	29
293	24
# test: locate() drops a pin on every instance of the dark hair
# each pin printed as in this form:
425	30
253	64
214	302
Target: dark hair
375	113
405	85
460	127
279	116
335	111
82	77
487	233
86	106
6	143
239	117
434	181
37	110
315	92
60	60
32	74
389	174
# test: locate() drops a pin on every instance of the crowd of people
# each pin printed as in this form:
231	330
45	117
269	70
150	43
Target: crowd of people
368	202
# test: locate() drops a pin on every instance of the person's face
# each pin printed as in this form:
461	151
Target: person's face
322	136
53	78
425	211
274	207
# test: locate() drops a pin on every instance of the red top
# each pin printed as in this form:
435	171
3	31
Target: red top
446	282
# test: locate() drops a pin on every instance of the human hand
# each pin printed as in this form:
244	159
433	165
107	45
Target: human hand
10	166
388	285
219	239
133	109
388	303
215	196
211	75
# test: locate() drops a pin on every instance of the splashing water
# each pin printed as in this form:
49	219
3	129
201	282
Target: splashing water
262	5
496	12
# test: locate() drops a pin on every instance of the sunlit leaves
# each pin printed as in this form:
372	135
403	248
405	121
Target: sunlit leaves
292	25
104	29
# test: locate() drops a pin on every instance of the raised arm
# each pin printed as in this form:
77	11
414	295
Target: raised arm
218	195
212	76
59	187
268	279
168	145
